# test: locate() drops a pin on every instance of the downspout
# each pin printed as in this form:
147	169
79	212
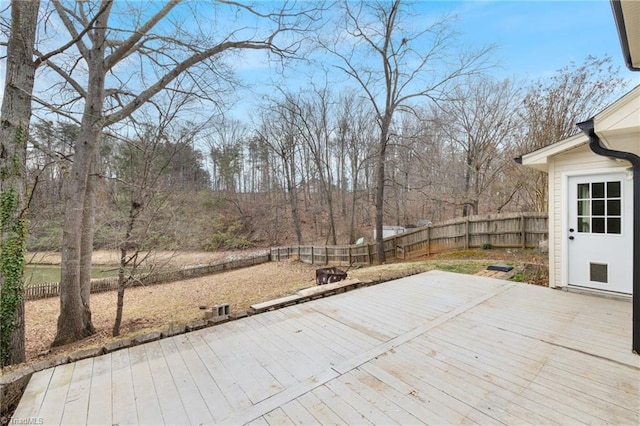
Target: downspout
596	146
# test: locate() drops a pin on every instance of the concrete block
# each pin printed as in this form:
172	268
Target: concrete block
196	325
118	344
53	362
173	331
146	338
217	320
238	315
86	353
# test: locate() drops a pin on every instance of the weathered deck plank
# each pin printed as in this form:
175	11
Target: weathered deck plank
122	394
78	395
99	408
171	407
435	348
52	407
235	396
195	406
147	404
34	395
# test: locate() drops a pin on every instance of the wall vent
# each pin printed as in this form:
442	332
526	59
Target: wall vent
598	272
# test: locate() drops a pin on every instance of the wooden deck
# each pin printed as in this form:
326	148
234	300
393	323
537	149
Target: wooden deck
434	348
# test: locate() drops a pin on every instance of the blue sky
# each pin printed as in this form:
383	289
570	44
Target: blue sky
533	39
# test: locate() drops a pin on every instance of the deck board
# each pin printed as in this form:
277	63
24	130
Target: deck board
77	400
123	397
147	404
53	405
434	348
233	393
171	407
100	400
195	406
34	395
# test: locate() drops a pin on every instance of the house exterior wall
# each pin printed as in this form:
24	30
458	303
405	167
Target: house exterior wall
578	161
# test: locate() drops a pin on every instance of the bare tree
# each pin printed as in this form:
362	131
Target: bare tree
226	145
145	162
552	107
312	117
408	65
279	133
356	133
482	119
102	89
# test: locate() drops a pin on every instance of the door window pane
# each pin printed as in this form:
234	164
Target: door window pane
613	208
613	189
599	207
597	190
583	224
583	191
597	224
584	207
613	225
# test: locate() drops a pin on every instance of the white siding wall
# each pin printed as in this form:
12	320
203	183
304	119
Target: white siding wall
577	161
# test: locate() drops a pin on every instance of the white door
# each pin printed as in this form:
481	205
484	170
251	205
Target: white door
599	229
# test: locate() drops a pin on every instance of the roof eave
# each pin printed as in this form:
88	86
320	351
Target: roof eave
621	20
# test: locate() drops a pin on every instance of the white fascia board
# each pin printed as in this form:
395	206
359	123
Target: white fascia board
540	159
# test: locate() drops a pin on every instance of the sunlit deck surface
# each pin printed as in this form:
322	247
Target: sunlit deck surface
434	348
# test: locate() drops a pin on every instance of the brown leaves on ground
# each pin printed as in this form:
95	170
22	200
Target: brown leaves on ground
161	306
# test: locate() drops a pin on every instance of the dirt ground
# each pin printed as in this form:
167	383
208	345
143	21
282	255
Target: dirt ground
158	307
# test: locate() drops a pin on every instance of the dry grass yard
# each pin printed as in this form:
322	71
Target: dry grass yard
157	307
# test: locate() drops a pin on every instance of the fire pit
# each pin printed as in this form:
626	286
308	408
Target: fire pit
329	275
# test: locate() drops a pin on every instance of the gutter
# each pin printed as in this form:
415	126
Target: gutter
618	17
596	146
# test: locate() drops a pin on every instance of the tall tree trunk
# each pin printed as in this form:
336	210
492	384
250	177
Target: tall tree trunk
122	279
74	322
380	209
86	247
293	199
382	158
354	199
15	114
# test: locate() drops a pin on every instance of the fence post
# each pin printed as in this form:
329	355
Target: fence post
428	241
312	259
466	234
523	229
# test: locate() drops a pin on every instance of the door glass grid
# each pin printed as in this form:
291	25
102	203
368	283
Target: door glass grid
599	207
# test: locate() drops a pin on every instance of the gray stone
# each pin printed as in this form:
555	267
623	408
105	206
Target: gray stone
87	353
146	338
118	344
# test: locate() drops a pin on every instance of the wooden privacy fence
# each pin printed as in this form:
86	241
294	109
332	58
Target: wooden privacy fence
510	230
39	291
